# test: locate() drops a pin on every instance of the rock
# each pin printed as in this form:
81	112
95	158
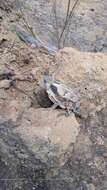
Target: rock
91	187
5	84
87	72
48	133
17	162
83	146
3	69
13	110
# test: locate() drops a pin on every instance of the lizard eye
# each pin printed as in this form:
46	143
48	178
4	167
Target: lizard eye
44	80
54	88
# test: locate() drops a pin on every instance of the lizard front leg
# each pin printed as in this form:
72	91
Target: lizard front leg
69	111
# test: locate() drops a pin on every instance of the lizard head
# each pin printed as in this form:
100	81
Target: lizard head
46	81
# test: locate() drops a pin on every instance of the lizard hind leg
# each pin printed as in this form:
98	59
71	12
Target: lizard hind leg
76	109
54	106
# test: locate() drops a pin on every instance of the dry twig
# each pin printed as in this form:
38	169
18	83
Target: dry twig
69	15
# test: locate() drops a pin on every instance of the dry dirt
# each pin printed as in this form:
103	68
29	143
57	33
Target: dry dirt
41	148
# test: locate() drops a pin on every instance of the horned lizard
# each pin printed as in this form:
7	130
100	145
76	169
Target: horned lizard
61	95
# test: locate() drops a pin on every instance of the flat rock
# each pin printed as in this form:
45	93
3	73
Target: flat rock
48	132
